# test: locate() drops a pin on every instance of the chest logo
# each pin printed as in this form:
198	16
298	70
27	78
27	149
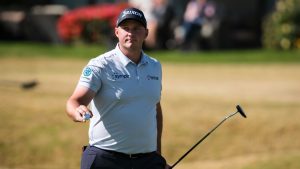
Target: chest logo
117	76
149	77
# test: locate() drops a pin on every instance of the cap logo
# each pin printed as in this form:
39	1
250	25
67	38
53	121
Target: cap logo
132	13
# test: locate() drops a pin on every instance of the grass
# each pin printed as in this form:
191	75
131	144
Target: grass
25	50
36	133
31	50
289	161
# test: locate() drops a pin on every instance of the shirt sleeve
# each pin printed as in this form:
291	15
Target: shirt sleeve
91	78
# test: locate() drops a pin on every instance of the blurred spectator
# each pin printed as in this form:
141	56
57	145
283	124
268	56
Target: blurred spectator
147	6
195	15
164	15
159	15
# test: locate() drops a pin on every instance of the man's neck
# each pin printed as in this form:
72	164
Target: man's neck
134	55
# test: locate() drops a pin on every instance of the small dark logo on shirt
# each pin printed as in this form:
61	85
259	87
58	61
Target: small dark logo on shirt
117	76
149	77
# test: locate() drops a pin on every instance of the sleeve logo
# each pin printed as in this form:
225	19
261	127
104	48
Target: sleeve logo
87	72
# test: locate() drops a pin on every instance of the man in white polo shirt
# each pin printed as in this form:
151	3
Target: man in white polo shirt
123	88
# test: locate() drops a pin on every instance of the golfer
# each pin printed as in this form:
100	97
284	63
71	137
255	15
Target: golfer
123	88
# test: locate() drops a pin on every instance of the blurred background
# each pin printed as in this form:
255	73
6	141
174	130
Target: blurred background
173	24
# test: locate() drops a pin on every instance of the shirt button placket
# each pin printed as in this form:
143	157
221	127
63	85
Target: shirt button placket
137	73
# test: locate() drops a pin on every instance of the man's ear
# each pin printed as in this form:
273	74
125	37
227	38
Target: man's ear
117	32
147	32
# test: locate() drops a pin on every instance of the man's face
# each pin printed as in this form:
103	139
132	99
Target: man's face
131	34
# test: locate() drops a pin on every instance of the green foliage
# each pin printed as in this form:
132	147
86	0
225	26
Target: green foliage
282	27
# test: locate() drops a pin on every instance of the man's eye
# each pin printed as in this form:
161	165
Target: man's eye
134	29
138	29
125	28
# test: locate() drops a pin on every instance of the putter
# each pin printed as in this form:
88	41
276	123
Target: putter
239	110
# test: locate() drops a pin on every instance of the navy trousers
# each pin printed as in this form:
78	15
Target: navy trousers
95	158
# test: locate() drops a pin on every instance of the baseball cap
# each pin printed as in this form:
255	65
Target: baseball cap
134	14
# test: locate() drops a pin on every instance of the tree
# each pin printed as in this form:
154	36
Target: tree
282	27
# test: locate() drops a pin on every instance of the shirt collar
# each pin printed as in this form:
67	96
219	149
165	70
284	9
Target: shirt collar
125	60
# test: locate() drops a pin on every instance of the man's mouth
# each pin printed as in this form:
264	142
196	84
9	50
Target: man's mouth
130	40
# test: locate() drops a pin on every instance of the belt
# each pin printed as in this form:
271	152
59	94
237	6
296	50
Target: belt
139	155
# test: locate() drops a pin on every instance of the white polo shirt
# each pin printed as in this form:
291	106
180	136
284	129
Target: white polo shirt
124	107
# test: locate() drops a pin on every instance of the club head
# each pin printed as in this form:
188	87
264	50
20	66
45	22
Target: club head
240	110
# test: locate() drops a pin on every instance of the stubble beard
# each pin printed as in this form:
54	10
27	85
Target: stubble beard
132	45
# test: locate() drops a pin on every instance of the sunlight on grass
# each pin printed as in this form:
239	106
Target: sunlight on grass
282	162
37	134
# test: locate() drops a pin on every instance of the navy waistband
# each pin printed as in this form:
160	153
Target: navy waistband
124	155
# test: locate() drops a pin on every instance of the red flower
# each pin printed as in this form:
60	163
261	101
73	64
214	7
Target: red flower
71	24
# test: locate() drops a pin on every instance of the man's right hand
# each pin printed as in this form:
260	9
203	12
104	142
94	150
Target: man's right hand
79	114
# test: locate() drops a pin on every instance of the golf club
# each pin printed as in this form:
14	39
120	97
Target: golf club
239	110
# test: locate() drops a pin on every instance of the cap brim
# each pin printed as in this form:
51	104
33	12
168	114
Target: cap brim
131	18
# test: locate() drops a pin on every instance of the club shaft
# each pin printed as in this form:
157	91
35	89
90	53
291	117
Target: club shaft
203	138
